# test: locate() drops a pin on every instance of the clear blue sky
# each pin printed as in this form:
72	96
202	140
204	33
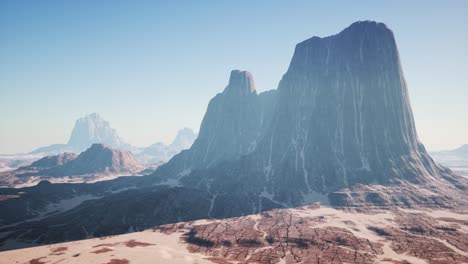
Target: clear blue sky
150	67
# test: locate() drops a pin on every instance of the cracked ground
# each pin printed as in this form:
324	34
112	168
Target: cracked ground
324	235
310	234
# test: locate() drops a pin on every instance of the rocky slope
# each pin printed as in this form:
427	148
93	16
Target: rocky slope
99	162
232	125
99	158
461	151
310	234
342	118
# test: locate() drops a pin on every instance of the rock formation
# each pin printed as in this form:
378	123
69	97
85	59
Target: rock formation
93	129
339	130
88	130
99	158
231	127
51	161
160	152
342	118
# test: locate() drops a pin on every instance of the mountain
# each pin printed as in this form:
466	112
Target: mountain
51	161
93	129
455	159
88	130
99	162
183	140
461	151
338	130
342	122
234	121
99	158
159	152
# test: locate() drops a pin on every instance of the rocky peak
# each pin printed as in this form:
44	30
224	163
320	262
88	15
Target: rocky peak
344	105
241	83
183	140
230	128
342	118
93	129
99	147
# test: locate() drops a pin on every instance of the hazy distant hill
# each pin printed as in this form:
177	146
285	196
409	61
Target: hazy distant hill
92	129
99	162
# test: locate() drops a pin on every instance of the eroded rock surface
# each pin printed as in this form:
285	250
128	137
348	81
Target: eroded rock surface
324	235
310	234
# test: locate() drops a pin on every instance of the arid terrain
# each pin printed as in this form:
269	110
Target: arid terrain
326	168
310	234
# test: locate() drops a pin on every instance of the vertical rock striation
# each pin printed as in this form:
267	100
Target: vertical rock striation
343	115
233	123
342	118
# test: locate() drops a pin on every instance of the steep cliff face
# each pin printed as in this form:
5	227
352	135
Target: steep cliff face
234	121
183	140
344	116
342	119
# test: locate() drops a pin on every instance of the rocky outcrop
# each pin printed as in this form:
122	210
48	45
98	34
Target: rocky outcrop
93	129
88	130
231	127
342	118
99	158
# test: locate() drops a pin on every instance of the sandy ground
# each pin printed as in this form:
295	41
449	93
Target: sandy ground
155	246
140	247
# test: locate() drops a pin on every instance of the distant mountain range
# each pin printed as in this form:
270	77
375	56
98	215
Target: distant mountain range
159	152
455	159
92	129
88	130
340	119
97	163
461	151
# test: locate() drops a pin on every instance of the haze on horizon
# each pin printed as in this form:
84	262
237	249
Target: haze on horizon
150	68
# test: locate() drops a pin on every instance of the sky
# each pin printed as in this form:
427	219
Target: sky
151	67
